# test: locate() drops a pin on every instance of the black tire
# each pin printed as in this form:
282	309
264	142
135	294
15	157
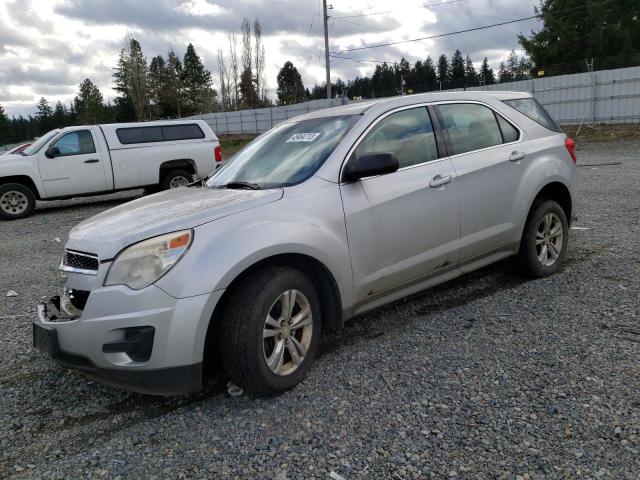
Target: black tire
16	201
528	256
173	174
241	343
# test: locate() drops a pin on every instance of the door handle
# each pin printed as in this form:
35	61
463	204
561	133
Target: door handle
515	156
92	160
440	180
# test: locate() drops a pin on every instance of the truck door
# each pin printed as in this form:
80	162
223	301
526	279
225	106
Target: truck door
72	164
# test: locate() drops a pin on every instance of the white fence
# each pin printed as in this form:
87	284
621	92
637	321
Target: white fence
262	119
604	96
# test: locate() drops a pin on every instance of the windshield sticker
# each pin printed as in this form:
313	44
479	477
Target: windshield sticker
303	137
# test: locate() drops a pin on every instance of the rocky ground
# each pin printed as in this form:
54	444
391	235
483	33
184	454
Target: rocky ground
489	376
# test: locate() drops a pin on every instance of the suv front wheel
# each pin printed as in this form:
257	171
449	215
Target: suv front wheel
270	330
544	240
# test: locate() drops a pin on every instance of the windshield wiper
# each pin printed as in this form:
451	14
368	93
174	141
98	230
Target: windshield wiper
243	185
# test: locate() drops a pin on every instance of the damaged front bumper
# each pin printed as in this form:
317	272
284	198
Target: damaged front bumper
140	340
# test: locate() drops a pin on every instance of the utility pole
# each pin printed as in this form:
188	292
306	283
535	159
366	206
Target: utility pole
326	46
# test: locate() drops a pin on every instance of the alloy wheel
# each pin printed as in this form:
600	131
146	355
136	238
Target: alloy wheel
549	238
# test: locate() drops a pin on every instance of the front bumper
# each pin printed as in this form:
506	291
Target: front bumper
140	340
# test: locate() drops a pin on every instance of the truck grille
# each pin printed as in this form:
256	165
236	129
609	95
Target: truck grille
80	261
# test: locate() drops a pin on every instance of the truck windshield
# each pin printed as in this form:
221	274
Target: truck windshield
39	143
286	155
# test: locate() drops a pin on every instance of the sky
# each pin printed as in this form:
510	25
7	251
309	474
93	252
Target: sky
47	47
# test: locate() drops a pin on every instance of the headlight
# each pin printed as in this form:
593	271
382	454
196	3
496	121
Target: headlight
142	264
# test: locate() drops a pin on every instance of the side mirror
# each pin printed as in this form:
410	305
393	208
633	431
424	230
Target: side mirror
369	165
52	152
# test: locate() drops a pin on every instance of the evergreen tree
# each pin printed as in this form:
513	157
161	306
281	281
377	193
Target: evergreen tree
59	118
470	74
135	72
599	29
174	86
443	72
504	75
290	87
486	76
457	75
196	80
156	83
6	130
123	108
430	76
44	114
248	91
89	104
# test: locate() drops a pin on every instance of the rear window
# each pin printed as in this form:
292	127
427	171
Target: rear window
536	112
159	134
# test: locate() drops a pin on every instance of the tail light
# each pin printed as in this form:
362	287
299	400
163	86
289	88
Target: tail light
571	148
217	152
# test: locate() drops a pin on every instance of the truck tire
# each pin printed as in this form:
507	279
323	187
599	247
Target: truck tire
544	240
267	346
176	178
16	201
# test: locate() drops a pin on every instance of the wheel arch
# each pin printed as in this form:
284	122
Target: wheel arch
181	163
317	271
558	192
22	180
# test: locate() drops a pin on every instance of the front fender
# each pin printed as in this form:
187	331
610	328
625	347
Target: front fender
223	249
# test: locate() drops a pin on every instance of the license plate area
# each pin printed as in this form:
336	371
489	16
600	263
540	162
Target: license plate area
46	340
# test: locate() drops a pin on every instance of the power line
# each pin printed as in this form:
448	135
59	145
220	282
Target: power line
484	27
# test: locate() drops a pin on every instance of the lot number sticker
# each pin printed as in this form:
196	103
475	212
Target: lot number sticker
303	137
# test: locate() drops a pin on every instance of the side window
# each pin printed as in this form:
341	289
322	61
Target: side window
75	143
407	134
470	126
509	132
139	135
182	132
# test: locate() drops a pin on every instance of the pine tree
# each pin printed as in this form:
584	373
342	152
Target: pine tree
59	118
486	76
430	76
174	87
156	83
443	72
470	74
290	87
457	76
135	72
89	104
504	75
6	130
124	110
196	80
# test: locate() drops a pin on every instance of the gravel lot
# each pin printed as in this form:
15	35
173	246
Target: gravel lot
489	376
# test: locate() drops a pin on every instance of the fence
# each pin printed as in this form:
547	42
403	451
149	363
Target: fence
604	96
262	119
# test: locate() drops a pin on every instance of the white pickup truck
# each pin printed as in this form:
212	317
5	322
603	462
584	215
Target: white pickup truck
98	159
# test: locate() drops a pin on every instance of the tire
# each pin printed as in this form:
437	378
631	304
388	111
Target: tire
245	352
16	201
541	250
174	178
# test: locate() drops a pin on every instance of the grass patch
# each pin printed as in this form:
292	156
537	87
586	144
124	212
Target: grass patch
232	143
604	133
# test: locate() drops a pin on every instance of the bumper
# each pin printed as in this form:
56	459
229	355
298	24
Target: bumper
144	341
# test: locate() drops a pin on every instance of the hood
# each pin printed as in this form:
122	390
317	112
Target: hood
178	209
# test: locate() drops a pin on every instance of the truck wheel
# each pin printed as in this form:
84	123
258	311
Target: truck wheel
16	201
544	240
270	331
176	178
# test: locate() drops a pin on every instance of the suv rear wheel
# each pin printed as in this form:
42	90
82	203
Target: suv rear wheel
16	201
544	240
176	178
270	331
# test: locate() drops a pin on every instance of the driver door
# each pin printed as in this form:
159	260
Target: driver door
404	226
75	169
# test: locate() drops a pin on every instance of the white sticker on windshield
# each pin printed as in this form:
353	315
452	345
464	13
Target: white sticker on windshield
303	137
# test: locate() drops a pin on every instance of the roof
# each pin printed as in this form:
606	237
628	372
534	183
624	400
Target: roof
359	108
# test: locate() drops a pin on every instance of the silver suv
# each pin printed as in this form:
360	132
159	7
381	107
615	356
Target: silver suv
321	218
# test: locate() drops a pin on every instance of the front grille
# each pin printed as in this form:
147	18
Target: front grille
80	261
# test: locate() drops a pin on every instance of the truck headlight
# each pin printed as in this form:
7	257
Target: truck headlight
143	263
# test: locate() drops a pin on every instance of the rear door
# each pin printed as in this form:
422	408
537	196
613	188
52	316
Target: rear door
401	226
487	154
77	169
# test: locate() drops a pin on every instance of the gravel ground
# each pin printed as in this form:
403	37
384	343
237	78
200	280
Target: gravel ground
488	376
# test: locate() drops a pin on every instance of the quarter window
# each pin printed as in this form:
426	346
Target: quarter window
509	132
470	126
407	134
159	134
79	142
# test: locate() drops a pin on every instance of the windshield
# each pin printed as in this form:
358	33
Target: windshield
39	143
286	155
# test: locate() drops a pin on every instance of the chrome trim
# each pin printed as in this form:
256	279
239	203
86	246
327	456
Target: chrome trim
82	271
